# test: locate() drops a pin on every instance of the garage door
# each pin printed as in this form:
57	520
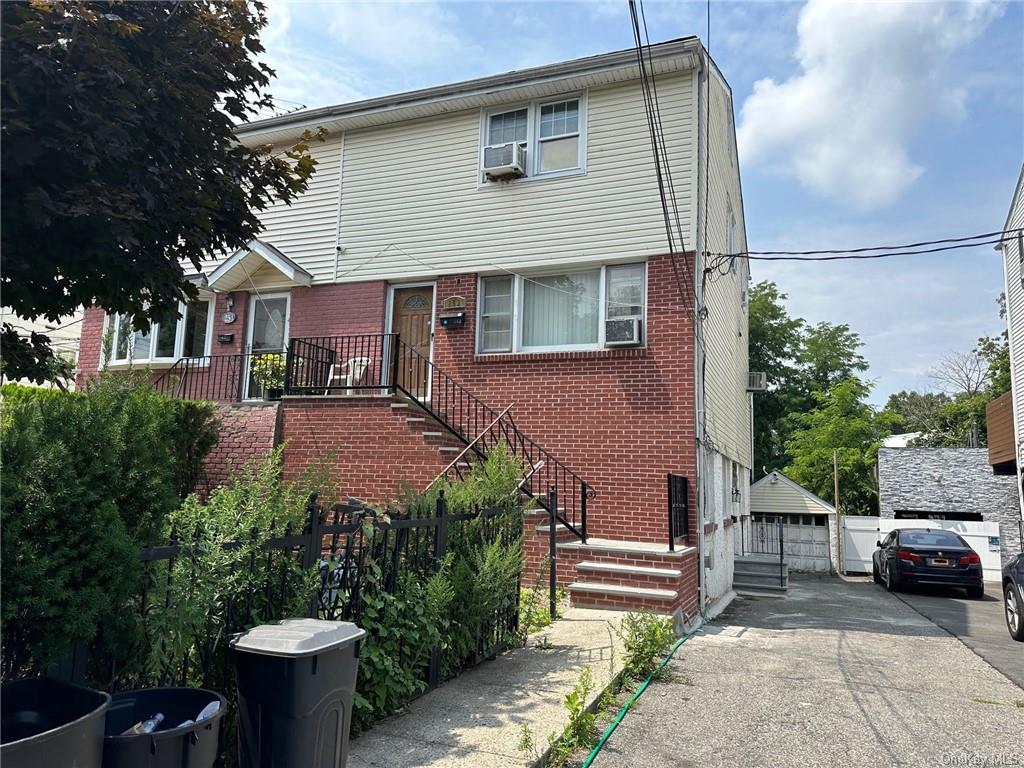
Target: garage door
804	539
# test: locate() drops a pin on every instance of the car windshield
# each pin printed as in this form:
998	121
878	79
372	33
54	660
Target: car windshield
931	539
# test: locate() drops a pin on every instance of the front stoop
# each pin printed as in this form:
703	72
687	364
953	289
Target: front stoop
446	444
630	576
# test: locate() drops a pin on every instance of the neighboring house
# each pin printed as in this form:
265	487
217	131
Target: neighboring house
809	524
500	242
1005	415
948	484
901	440
64	334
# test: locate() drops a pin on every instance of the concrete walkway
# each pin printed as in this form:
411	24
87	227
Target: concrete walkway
476	719
836	673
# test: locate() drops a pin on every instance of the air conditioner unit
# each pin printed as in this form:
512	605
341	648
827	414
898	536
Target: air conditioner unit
623	333
757	381
505	161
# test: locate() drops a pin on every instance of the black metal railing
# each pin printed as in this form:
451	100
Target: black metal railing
474	422
678	509
227	378
338	365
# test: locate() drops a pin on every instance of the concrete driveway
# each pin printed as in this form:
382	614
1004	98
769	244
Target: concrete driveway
978	624
837	673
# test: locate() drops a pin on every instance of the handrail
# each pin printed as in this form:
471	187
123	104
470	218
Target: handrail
462	453
463	414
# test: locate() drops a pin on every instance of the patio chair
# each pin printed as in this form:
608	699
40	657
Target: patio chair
351	372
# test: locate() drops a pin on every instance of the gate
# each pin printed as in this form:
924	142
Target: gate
768	537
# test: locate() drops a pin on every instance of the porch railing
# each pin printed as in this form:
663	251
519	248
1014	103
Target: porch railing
227	378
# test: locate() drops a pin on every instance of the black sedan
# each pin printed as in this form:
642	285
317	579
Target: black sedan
1013	596
927	556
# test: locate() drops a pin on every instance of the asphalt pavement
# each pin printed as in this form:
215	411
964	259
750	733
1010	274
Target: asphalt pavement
978	624
838	673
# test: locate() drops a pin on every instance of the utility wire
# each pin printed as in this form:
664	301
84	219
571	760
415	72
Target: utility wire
861	256
867	249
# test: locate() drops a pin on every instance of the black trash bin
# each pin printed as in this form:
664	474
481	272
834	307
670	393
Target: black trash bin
51	723
174	744
295	685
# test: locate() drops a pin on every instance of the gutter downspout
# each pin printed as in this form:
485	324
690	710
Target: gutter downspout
698	272
1015	387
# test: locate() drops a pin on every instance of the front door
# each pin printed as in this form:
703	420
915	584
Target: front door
412	316
268	336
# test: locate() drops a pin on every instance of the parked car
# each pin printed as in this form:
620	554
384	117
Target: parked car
927	556
1013	596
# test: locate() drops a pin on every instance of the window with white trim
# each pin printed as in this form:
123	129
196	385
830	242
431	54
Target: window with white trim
557	311
551	131
166	340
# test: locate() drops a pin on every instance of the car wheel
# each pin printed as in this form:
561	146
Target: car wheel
890	583
976	593
1014	613
874	573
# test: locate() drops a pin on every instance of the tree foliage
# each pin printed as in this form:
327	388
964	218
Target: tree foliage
119	159
844	428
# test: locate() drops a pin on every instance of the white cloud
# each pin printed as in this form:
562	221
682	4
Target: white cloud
871	74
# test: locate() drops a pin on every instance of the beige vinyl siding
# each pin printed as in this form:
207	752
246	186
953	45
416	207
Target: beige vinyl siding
1015	306
781	498
412	205
727	404
305	231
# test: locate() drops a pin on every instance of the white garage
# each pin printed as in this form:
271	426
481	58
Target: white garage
805	523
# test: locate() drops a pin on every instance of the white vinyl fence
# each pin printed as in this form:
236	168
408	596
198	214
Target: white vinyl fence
861	534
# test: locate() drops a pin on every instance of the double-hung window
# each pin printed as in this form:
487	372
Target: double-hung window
551	131
557	311
167	339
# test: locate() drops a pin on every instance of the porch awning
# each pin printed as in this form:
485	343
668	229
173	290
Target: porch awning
258	265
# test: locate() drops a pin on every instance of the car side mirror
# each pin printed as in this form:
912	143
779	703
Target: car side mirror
878	543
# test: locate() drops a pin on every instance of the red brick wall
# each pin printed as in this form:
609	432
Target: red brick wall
247	434
370	450
337	310
90	345
621	419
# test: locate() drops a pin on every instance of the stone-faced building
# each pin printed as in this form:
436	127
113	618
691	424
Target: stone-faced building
948	484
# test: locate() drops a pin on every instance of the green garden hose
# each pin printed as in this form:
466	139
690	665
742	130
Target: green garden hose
636	695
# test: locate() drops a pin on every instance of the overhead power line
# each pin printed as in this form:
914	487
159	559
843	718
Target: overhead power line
878	251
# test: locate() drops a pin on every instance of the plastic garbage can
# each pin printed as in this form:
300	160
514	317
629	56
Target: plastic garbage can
295	684
176	742
47	722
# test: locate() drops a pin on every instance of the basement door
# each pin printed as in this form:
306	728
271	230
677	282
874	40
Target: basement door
412	318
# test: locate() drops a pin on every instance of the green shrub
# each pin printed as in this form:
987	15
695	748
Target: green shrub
645	639
88	478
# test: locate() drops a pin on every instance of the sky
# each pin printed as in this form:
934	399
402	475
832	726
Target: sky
859	123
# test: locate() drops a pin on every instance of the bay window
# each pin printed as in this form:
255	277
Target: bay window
557	311
167	339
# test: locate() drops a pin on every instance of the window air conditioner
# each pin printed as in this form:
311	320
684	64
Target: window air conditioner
623	333
505	161
757	381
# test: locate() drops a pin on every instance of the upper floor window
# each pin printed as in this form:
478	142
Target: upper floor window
166	340
552	133
557	311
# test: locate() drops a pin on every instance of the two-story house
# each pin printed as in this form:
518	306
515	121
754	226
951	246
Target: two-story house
487	262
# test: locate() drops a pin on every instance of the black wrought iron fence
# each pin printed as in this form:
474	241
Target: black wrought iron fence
220	378
338	365
356	554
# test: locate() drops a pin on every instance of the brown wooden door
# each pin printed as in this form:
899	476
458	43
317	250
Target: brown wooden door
412	316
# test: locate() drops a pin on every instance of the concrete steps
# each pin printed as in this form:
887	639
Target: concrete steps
625	575
760	574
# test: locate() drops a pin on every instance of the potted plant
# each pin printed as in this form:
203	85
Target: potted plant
268	372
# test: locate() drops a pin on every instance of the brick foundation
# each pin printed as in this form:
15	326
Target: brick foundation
247	433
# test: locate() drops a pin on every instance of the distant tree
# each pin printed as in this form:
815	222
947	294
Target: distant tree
842	421
912	411
119	161
961	373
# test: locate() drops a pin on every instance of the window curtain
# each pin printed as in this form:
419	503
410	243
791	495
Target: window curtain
560	310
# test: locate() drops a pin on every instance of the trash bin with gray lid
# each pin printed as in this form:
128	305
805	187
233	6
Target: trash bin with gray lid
295	685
